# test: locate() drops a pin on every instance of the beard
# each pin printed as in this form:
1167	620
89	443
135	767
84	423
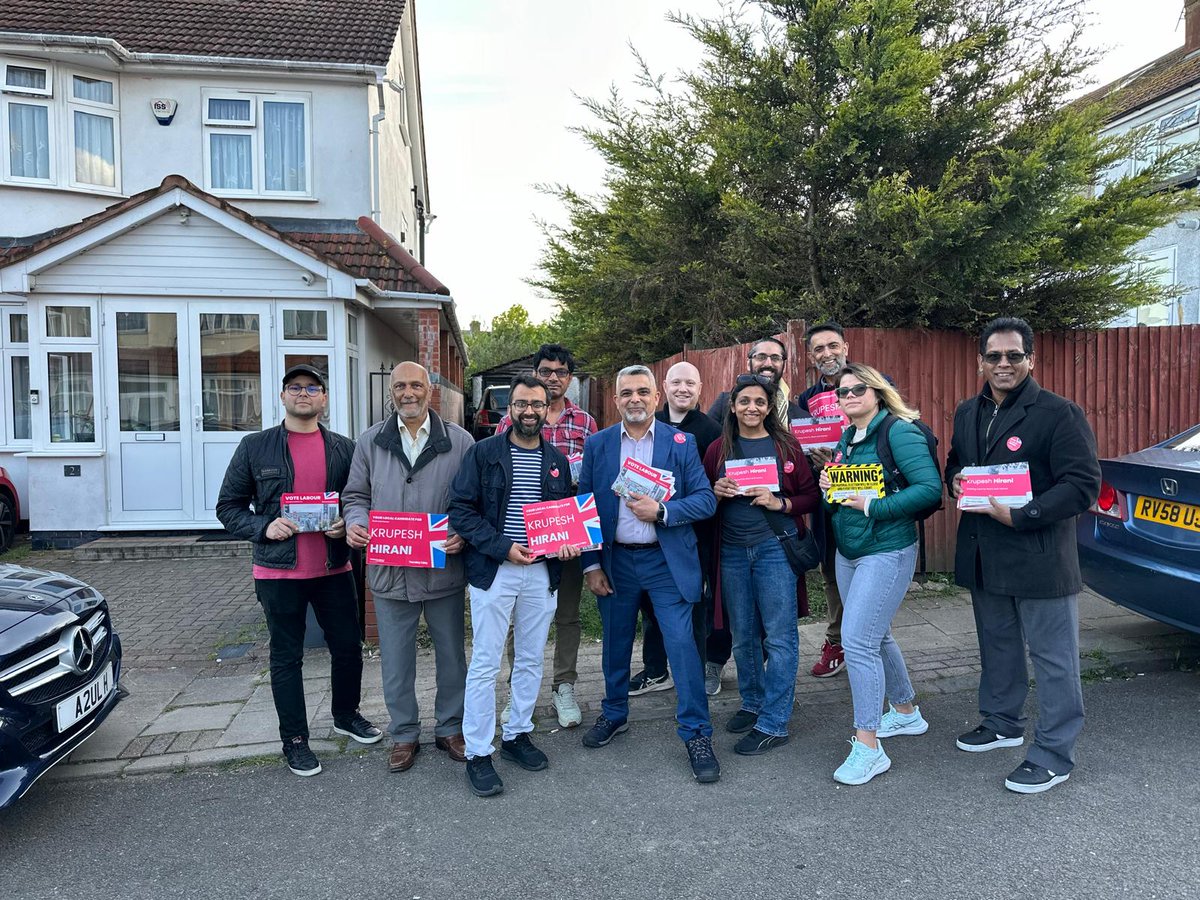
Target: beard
832	367
635	416
528	429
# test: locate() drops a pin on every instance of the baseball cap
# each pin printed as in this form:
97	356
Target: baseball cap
304	369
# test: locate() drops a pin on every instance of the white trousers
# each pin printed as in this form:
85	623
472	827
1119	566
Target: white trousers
519	595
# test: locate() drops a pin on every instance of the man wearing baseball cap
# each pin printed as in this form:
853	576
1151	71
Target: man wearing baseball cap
294	569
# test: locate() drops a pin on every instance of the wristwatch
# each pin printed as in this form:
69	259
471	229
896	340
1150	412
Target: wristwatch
661	516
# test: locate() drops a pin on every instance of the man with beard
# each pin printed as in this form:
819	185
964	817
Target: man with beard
649	548
566	428
292	570
766	357
828	352
406	464
682	409
498	478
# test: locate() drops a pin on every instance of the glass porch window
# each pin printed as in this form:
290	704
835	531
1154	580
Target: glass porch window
72	397
148	371
231	372
22	410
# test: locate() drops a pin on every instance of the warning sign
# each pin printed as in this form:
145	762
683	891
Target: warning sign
854	481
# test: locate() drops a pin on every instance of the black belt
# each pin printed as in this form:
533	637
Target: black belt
653	545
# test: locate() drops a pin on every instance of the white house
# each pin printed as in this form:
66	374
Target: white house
192	198
1164	97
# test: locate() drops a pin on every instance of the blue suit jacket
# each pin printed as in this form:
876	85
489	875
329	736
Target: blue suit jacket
693	500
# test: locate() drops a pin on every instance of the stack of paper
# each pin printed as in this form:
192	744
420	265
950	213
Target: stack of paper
759	471
638	478
1008	483
575	460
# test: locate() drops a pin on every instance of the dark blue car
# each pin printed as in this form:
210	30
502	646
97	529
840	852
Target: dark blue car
1140	544
60	662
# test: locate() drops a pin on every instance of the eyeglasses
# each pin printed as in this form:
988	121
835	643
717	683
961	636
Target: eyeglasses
1013	356
295	390
560	374
857	390
522	405
767	357
748	379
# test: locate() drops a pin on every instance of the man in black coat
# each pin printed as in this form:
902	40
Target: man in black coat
1021	563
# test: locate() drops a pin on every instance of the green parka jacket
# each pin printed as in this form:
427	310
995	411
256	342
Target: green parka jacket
890	525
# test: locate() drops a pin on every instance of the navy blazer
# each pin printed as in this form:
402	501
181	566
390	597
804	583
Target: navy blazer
693	501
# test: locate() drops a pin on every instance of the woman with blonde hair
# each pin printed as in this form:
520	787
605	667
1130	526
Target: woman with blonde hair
876	558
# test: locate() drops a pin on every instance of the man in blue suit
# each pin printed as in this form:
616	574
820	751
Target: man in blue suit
649	548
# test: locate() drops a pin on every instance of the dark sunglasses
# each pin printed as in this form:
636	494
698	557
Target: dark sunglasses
1013	356
856	389
748	379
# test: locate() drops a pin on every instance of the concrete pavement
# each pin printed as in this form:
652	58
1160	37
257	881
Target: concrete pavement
199	690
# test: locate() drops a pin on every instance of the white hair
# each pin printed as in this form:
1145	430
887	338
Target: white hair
630	371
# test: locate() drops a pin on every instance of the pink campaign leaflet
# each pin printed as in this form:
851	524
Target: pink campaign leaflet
554	524
312	512
414	540
1008	483
814	433
756	472
825	406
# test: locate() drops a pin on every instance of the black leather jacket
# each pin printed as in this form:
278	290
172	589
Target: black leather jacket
259	474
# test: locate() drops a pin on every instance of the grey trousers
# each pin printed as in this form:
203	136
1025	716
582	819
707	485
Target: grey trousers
397	621
1050	628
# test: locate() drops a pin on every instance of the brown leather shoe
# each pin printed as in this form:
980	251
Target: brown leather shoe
403	756
454	745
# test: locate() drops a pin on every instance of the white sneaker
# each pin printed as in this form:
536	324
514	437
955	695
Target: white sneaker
569	713
862	764
507	713
895	722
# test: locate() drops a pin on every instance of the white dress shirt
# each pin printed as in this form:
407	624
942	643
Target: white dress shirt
413	445
631	529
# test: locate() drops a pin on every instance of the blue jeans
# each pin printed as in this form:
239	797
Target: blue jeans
638	573
758	590
872	588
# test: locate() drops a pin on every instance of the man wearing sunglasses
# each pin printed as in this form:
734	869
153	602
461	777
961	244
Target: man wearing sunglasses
767	358
291	569
1021	563
566	428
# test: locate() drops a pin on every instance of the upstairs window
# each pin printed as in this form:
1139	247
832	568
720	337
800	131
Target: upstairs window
27	78
257	144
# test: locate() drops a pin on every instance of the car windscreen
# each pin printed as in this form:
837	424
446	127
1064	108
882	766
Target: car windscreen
1189	441
499	399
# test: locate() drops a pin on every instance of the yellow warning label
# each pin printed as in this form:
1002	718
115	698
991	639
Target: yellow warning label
854	481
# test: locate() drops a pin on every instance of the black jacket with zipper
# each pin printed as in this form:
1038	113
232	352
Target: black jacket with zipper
259	474
1037	556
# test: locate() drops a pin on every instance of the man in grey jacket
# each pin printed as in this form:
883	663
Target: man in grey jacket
406	464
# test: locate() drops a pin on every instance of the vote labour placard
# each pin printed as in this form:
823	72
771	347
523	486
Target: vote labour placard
1008	483
760	471
854	481
823	432
312	512
825	406
555	524
416	540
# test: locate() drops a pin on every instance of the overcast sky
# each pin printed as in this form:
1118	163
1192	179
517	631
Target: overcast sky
499	83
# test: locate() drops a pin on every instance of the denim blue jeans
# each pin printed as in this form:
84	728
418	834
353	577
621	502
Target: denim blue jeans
872	588
758	590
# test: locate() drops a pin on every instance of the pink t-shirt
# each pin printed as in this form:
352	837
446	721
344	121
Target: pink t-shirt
308	462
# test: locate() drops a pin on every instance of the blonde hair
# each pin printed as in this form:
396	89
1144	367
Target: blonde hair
889	397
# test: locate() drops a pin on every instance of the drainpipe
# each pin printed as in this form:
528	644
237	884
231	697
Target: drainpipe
376	121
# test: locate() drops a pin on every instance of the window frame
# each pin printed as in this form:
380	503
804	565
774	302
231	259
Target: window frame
51	137
93	323
254	128
17	62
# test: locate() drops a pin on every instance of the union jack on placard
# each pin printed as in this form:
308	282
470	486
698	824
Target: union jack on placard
586	504
439	531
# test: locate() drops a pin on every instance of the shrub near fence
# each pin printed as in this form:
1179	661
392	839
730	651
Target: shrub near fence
1138	386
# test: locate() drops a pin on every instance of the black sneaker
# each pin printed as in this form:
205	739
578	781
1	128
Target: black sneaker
603	731
741	722
482	778
359	729
521	751
757	743
300	759
984	738
705	767
642	683
1030	778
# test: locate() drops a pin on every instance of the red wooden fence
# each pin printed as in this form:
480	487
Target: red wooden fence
1138	386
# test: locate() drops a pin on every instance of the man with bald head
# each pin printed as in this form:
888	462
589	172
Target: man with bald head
406	464
682	388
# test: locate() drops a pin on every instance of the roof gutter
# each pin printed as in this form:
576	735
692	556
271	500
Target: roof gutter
443	300
119	53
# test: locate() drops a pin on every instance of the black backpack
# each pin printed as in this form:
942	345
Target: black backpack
893	479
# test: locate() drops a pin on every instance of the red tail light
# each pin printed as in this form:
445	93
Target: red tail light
1109	502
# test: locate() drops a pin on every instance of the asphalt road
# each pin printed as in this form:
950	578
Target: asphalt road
628	821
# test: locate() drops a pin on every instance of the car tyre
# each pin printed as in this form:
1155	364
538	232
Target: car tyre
8	523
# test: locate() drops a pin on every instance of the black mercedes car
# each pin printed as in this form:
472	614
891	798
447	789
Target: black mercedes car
60	661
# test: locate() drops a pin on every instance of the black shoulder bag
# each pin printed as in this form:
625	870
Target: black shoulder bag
801	549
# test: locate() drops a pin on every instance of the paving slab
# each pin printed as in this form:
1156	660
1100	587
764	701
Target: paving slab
194	718
218	689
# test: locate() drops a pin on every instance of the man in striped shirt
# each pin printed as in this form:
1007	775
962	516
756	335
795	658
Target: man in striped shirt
509	584
566	427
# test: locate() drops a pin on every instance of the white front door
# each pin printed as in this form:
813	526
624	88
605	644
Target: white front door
229	346
149	430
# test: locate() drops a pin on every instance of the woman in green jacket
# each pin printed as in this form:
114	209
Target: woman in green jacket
876	558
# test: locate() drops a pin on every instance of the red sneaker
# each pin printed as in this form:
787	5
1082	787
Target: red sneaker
832	661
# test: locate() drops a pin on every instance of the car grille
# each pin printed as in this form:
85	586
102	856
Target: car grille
48	669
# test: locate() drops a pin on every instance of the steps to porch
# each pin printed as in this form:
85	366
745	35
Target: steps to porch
188	546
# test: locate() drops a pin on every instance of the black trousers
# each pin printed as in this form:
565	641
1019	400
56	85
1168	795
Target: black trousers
335	603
